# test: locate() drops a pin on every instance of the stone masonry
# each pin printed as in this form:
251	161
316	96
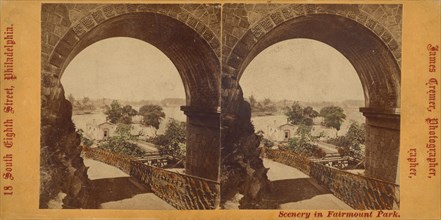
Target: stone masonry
211	64
365	34
69	28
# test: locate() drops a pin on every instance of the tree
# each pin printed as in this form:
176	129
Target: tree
114	112
122	142
87	104
298	115
172	142
302	143
265	106
127	113
294	113
268	105
356	138
351	143
117	114
356	134
333	117
152	115
84	140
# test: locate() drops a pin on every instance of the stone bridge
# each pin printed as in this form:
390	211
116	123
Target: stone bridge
369	36
358	191
210	63
188	34
179	190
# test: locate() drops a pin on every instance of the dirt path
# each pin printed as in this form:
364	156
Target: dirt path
296	190
114	189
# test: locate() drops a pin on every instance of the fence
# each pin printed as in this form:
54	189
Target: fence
179	190
359	192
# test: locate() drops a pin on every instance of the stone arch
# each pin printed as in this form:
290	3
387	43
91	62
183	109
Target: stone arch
364	34
69	28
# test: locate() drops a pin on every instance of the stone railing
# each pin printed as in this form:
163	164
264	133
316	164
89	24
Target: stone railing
291	159
120	161
179	190
359	192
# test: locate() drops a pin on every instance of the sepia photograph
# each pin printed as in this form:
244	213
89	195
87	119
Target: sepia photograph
128	109
130	106
314	120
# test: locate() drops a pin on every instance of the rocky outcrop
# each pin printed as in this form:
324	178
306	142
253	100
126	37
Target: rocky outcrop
242	169
61	167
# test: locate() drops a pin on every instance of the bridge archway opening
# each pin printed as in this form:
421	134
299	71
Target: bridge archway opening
374	62
130	71
197	66
196	62
305	71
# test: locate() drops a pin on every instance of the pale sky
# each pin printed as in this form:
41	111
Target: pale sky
301	70
122	68
130	69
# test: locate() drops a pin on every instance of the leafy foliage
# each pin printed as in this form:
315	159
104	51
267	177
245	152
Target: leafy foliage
83	105
297	115
267	143
265	106
84	140
122	143
333	116
351	143
302	144
172	142
152	115
115	113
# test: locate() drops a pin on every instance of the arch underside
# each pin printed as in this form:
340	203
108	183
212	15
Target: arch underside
199	69
376	66
195	61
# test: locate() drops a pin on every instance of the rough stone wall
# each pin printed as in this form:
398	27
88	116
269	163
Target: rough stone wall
383	139
61	168
242	170
179	190
249	22
203	134
291	159
64	24
359	192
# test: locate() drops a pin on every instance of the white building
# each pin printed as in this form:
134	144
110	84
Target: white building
100	131
287	131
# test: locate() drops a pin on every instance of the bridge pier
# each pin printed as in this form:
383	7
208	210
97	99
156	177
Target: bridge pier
382	143
203	142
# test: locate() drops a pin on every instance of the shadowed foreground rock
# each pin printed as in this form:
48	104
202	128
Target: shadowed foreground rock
242	169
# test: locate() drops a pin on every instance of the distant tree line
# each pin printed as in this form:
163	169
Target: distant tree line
84	104
152	115
264	106
333	116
